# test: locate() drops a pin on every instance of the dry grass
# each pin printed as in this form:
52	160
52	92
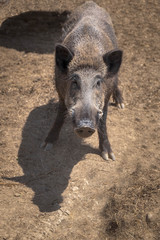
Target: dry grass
130	212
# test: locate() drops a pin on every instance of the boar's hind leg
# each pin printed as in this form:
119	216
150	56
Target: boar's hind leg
117	95
55	130
104	144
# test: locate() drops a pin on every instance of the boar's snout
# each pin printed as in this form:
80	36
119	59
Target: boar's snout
85	129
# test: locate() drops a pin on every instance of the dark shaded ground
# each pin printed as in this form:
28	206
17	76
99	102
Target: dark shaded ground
36	166
70	192
31	30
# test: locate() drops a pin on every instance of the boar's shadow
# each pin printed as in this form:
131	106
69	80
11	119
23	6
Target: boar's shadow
48	173
33	31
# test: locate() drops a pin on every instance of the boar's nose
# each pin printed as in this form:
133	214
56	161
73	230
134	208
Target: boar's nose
85	129
84	132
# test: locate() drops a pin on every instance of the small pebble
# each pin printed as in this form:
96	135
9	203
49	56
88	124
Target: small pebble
17	194
149	217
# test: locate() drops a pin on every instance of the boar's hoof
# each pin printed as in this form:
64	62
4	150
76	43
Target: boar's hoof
43	145
111	155
47	146
106	155
121	105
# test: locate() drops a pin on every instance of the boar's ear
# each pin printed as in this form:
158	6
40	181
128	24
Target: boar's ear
63	57
113	60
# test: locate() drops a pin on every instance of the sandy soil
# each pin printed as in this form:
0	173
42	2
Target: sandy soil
71	192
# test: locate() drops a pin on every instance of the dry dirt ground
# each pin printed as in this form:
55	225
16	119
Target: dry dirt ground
71	192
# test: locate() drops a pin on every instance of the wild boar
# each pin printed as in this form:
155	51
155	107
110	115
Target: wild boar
86	67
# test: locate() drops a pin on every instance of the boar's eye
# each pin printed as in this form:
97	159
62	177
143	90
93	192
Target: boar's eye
98	81
75	82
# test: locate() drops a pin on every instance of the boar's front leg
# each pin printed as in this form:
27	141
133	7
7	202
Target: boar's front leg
117	95
55	130
104	144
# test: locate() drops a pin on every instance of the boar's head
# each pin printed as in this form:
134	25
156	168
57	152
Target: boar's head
87	86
